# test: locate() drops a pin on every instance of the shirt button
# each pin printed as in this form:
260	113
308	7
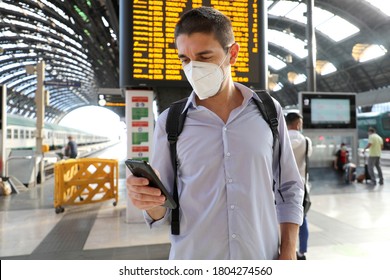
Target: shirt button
234	235
230	180
228	154
232	207
225	128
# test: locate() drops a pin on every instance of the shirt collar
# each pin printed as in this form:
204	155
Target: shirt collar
246	92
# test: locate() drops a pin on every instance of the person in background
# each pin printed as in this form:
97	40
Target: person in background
375	144
342	158
71	148
228	208
294	123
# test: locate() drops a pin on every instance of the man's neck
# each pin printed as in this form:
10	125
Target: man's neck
224	102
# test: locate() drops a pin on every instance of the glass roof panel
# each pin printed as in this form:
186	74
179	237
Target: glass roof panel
324	21
55	8
18	81
287	41
281	8
372	52
382	6
275	63
321	15
7	77
337	28
298	13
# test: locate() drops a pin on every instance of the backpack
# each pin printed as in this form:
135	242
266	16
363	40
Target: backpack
174	126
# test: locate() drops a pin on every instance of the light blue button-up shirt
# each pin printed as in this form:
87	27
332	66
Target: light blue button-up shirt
228	208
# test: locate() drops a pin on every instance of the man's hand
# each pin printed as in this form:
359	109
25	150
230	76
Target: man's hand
145	197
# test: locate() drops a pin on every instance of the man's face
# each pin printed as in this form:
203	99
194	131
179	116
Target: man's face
200	47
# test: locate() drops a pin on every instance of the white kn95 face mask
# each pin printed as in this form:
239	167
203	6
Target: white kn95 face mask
205	78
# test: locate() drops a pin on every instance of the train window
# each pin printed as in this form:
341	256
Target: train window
9	133
32	133
386	123
22	134
16	133
27	134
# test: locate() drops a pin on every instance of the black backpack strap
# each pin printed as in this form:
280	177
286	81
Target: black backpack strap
306	159
268	110
306	196
174	126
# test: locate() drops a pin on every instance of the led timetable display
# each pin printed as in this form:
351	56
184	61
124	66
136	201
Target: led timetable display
152	57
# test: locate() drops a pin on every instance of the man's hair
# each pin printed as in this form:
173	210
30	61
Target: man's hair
209	21
292	118
371	129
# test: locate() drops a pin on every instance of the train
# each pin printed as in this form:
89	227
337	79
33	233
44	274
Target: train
20	137
377	120
21	134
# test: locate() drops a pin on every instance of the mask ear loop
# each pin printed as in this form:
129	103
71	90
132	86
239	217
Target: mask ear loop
227	54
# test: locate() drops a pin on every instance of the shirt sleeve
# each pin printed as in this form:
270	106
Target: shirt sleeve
152	223
289	194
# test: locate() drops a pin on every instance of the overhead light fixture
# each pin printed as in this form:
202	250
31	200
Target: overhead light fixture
365	52
102	101
324	67
296	78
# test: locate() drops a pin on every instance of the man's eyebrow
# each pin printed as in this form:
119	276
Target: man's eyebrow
204	52
197	54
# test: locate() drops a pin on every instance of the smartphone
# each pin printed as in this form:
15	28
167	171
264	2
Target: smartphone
142	168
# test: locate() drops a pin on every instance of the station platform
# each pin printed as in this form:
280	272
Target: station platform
346	222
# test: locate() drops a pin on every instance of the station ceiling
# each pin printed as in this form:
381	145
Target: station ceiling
78	40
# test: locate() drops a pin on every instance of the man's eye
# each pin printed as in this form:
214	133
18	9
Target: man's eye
184	61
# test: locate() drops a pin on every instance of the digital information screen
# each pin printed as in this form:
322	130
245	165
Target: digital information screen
328	110
151	58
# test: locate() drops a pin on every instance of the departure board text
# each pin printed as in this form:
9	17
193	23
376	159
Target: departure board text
153	55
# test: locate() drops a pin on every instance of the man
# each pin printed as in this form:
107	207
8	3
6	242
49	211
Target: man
71	148
342	158
225	178
294	123
375	144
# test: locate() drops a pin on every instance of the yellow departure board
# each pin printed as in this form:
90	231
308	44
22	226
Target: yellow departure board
153	57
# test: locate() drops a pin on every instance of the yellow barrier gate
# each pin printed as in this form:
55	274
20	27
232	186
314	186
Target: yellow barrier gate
86	180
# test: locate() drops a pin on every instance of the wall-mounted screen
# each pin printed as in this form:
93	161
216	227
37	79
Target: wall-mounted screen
328	110
148	53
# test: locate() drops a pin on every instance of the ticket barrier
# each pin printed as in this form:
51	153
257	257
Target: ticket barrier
86	180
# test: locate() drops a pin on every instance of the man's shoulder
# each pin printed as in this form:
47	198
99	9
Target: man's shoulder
296	135
374	137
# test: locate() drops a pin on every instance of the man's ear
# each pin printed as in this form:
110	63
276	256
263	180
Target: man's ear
234	49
